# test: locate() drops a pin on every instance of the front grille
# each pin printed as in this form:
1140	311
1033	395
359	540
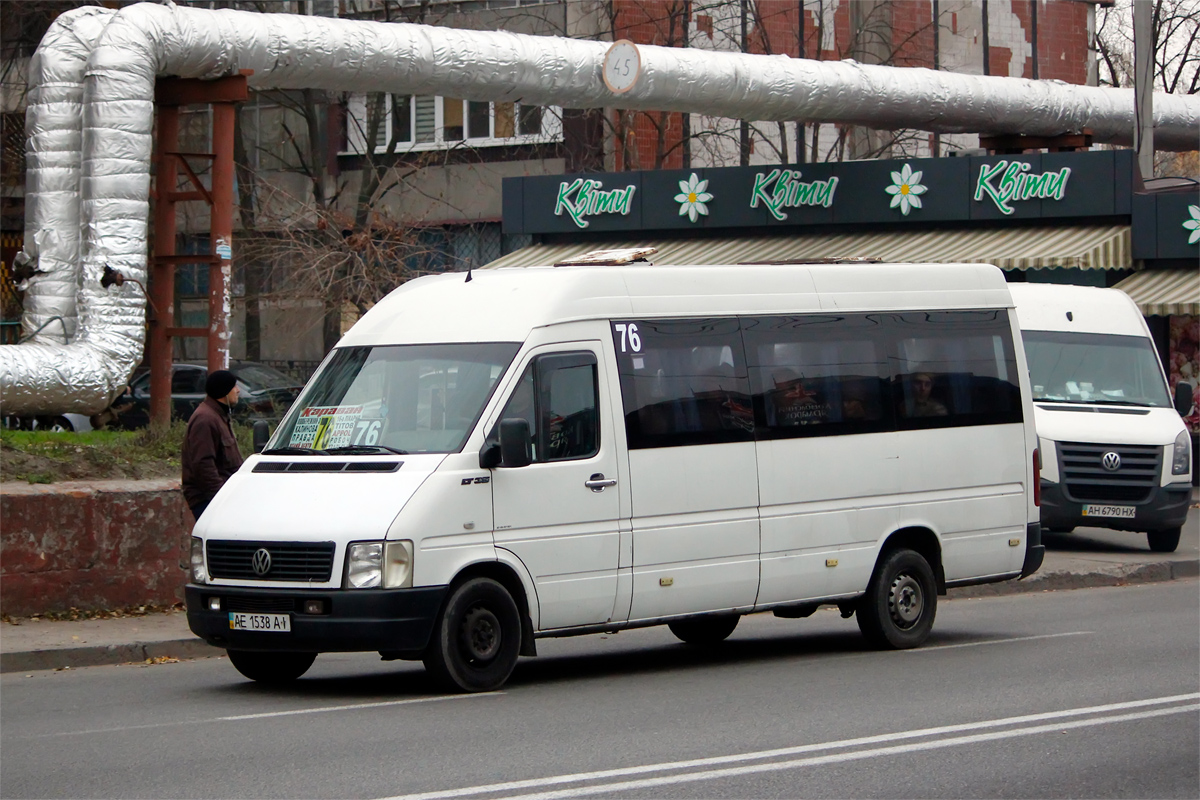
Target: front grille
1085	478
261	605
290	561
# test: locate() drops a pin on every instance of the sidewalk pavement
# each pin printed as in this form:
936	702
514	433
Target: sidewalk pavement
1088	557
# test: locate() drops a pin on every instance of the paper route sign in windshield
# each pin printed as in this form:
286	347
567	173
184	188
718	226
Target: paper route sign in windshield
320	428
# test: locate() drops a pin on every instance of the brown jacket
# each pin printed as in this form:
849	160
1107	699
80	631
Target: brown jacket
210	452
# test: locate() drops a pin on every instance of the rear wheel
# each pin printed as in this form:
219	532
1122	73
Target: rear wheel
901	601
704	631
1165	540
476	639
272	668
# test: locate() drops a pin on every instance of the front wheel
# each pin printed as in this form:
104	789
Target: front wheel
273	668
704	631
476	639
901	601
1164	541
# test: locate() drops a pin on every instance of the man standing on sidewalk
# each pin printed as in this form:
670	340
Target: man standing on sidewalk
210	451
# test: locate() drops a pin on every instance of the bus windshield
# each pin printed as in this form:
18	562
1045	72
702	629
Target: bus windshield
400	398
1094	368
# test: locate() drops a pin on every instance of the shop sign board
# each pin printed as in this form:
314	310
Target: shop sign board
1166	225
899	192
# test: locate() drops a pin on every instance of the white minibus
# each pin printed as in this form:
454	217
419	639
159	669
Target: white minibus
1116	452
490	459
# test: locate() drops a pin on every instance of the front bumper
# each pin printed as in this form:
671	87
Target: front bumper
387	620
1167	507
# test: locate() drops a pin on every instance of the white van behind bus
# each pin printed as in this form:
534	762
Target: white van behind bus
1115	451
552	451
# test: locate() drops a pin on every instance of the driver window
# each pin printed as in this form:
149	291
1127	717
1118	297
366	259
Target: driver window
557	395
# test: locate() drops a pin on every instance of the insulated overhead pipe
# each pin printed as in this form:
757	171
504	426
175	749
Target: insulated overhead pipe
143	41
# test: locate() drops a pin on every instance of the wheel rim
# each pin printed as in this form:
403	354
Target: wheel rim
906	601
481	634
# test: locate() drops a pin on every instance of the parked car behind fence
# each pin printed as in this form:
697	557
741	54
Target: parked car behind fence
266	393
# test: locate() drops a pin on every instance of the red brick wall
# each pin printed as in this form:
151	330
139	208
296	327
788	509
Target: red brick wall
95	545
1062	40
912	34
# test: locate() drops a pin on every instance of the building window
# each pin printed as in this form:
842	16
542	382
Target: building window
407	123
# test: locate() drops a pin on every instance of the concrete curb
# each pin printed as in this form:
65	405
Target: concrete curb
105	655
135	652
1116	575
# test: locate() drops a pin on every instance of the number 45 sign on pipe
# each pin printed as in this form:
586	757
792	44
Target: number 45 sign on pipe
622	66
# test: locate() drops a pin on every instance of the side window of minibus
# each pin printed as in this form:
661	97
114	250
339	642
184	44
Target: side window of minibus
683	382
558	396
817	375
954	368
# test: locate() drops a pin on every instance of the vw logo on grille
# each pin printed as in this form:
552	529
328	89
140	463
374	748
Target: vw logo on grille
262	561
1111	461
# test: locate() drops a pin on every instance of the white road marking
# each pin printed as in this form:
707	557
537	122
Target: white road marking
580	777
996	641
268	714
842	757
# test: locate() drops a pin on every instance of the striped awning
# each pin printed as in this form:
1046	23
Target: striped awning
1080	246
1164	291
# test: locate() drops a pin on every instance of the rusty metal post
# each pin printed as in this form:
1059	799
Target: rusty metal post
220	272
170	94
162	286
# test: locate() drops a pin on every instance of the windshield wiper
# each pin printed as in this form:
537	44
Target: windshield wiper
365	450
293	451
1100	401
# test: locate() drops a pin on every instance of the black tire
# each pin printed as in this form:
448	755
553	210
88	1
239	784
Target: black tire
272	668
1064	529
476	638
704	631
1165	540
901	601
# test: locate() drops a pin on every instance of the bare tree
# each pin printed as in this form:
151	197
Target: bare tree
1176	26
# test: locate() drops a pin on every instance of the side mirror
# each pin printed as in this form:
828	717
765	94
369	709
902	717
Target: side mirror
516	444
262	434
1183	398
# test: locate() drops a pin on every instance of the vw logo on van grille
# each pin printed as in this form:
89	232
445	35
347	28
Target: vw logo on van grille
1111	461
261	561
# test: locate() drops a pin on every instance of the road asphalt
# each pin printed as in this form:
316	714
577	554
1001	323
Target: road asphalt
1087	557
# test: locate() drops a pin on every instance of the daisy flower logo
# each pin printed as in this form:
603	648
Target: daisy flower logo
1192	224
692	197
906	190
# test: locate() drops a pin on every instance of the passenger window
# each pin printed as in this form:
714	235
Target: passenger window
188	381
817	375
683	382
954	368
558	396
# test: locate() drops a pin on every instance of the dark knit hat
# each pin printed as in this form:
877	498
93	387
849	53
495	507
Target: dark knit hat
220	383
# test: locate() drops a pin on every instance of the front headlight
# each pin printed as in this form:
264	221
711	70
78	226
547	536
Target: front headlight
364	565
370	565
199	573
1183	454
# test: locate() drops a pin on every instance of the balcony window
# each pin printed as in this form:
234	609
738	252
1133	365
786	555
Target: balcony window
408	123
